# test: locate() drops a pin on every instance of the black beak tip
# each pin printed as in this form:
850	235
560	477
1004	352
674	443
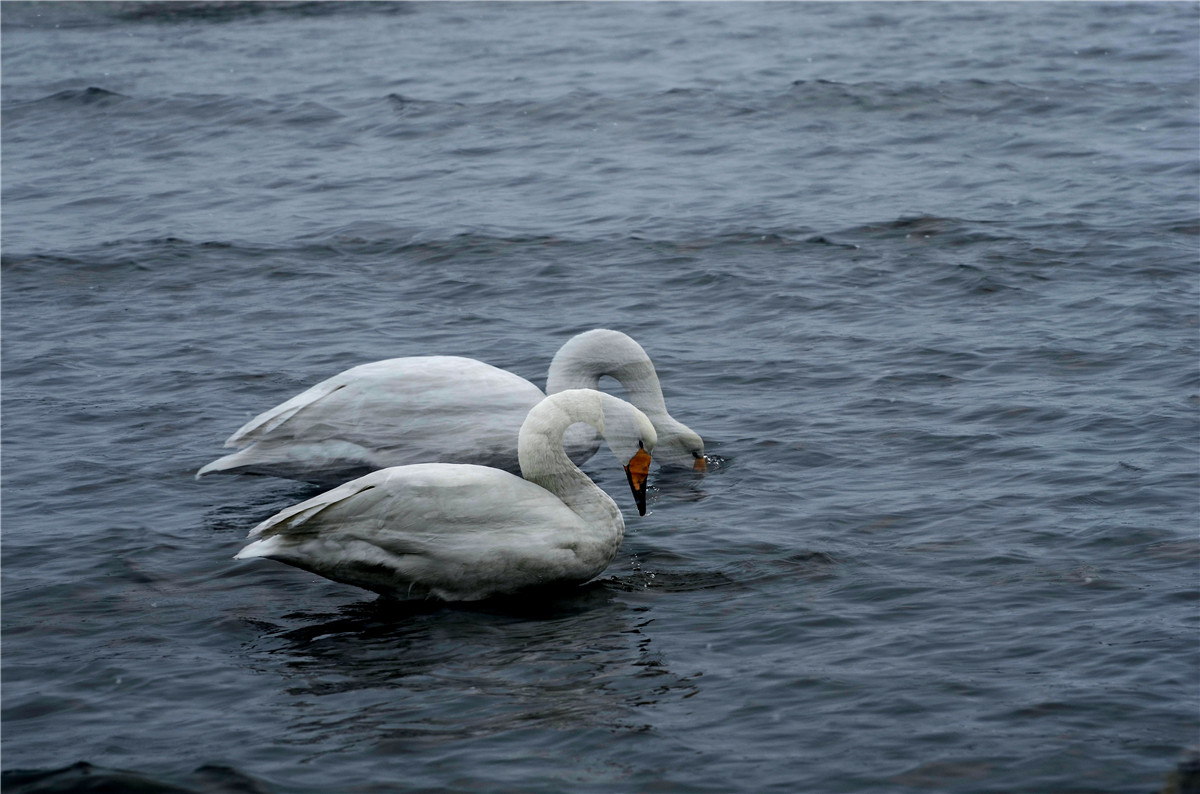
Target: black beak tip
639	493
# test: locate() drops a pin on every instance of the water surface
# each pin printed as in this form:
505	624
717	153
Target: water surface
923	275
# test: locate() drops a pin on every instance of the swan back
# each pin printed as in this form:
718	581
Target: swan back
388	413
459	532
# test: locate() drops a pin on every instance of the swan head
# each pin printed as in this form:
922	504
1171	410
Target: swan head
679	446
632	438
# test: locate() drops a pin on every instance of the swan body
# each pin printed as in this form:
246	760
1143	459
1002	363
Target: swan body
443	409
463	532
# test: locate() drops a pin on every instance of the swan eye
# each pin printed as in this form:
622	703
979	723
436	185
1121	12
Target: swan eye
640	444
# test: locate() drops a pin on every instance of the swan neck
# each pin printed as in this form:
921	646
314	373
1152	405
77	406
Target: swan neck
584	360
544	461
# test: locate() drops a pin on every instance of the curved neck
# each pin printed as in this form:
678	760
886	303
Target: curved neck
544	462
586	358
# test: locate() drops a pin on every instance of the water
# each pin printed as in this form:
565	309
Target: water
923	275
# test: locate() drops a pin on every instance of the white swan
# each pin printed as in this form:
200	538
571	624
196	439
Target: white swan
463	532
443	409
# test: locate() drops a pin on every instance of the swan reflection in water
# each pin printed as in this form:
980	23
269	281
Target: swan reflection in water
376	673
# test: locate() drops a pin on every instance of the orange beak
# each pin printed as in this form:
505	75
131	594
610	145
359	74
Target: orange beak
700	465
636	471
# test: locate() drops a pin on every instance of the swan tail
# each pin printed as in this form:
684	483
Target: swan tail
292	519
228	464
268	421
254	459
324	463
265	547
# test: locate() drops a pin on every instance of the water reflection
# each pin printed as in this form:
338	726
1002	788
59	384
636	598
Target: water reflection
384	671
681	485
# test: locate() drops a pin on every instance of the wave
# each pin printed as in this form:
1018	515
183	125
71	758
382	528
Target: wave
214	111
814	99
82	776
370	240
90	15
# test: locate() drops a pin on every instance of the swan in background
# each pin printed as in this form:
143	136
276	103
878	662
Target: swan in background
444	409
463	532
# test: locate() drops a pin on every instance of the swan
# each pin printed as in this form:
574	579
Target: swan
463	532
444	409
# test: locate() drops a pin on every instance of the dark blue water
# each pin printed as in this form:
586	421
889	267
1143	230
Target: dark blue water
925	276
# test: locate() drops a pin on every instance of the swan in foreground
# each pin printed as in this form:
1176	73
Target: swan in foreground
463	532
444	409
